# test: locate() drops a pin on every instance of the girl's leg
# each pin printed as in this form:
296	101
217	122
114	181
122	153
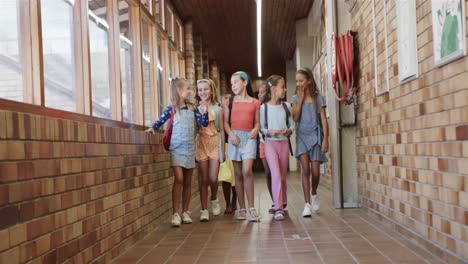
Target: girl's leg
203	178
305	172
248	182
239	183
268	176
234	198
177	188
214	171
284	161
227	194
187	189
273	159
315	176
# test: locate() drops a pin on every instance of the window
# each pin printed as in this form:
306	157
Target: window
58	46
148	5
159	12
126	63
99	55
11	68
148	75
160	75
180	42
170	23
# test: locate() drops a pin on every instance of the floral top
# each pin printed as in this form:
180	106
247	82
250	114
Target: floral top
201	119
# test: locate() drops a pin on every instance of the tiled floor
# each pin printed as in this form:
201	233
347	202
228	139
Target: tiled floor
332	236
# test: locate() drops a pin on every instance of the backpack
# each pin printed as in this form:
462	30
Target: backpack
168	132
288	114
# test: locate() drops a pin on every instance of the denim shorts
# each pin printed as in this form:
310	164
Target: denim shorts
246	150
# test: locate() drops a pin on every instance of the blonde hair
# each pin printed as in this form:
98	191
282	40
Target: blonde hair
177	83
213	88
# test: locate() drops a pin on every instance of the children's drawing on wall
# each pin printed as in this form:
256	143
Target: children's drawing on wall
448	26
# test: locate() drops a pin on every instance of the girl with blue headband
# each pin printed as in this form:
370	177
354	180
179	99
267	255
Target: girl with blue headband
242	124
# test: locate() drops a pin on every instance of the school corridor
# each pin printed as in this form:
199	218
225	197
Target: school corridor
331	236
82	80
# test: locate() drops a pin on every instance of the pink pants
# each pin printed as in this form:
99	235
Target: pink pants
277	155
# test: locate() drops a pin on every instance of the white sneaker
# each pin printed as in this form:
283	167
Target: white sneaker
215	207
186	218
204	216
307	211
279	215
315	204
175	220
253	216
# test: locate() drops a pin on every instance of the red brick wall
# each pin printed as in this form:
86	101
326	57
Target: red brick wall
412	142
74	192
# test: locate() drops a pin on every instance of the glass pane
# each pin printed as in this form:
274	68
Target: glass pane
159	10
99	52
147	4
126	45
11	82
170	23
146	58
58	47
160	76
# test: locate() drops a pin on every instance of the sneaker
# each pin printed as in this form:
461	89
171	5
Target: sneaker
204	216
253	216
215	207
272	209
315	204
279	215
307	211
186	218
175	220
241	214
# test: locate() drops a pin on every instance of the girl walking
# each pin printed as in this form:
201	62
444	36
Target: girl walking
242	124
277	125
312	135
210	147
182	146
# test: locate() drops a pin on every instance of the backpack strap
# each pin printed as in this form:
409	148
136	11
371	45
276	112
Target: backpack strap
216	110
231	101
288	114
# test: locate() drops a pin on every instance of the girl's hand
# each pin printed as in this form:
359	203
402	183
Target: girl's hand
253	134
300	94
235	140
150	130
286	132
203	107
274	133
325	146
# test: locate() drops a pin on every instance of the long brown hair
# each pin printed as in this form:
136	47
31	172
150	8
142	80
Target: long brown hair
310	78
177	83
270	82
213	88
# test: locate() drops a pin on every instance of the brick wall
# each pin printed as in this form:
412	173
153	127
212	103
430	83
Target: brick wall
72	192
412	143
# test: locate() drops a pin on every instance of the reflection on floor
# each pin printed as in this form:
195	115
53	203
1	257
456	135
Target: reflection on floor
332	236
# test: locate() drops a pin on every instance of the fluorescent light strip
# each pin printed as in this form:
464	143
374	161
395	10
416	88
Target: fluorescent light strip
160	67
98	19
146	58
122	37
259	37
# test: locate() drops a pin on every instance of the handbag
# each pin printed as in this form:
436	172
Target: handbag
168	132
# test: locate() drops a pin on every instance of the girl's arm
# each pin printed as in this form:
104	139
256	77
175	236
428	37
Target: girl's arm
263	127
297	106
227	127
162	119
221	130
323	117
254	133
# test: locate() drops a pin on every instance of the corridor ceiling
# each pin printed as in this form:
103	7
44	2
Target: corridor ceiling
228	27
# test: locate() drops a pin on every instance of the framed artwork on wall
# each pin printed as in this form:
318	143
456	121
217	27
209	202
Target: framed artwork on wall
407	40
448	28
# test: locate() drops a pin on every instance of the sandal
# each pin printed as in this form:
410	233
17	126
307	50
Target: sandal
253	216
241	214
